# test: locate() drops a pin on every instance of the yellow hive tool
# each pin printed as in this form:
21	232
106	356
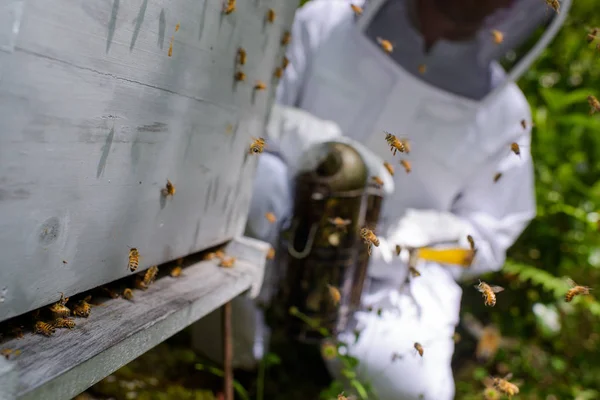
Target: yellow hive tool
454	256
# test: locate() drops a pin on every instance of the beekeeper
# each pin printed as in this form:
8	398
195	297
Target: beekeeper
442	88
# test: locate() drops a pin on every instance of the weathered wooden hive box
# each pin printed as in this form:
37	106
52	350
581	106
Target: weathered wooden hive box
102	101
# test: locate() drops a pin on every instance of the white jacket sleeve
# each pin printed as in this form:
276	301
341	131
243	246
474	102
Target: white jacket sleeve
496	213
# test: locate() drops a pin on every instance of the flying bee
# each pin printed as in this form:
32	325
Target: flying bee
286	38
169	189
177	27
271	217
43	328
422	68
83	308
271	15
488	343
398	249
498	36
260	85
515	148
406	165
229	7
554	4
489	292
504	386
342	397
592	35
278	73
271	254
594	104
240	76
386	45
419	348
369	238
396	356
64	323
241	56
340	223
134	259
257	146
395	143
227	262
471	242
389	167
414	272
285	62
575	290
497	176
357	9
335	294
176	272
128	294
377	181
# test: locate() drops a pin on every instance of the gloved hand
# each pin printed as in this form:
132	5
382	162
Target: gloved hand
417	228
297	135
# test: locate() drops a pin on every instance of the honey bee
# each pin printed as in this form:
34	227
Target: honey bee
554	4
134	259
592	35
219	254
406	165
64	323
498	36
271	254
227	262
335	294
594	104
497	176
7	353
389	167
257	146
395	143
179	261
489	292
177	27
414	272
260	85
171	46
515	148
340	223
504	386
176	272
377	181
471	242
128	294
83	308
59	309
17	332
150	275
209	256
456	337
369	238
278	73
240	76
575	290
271	217
229	7
286	38
241	56
396	356
110	293
488	343
43	328
285	62
357	9
398	249
422	68
271	15
524	124
386	45
65	262
419	348
169	189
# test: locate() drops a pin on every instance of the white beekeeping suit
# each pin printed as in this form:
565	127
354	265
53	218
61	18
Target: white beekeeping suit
460	133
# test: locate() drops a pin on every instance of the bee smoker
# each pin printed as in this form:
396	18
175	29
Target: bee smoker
317	253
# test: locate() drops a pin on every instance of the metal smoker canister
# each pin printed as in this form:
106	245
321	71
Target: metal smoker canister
317	253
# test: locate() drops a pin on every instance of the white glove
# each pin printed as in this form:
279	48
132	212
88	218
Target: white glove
297	134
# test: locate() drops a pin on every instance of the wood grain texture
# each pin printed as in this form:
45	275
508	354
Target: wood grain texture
95	117
117	331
